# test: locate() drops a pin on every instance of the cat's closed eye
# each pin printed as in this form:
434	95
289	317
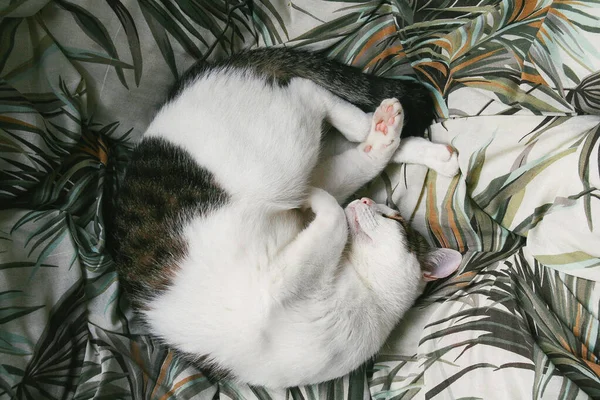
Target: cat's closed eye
395	216
398	218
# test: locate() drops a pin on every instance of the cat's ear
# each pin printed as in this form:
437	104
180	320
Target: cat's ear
440	263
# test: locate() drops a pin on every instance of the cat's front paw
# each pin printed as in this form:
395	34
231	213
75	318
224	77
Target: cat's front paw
328	213
386	126
443	159
320	201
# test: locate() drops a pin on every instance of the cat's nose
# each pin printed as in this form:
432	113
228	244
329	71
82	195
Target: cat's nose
367	201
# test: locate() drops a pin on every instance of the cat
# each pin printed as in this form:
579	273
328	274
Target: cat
228	232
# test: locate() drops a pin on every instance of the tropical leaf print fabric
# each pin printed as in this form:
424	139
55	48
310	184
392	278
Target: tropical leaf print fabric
517	85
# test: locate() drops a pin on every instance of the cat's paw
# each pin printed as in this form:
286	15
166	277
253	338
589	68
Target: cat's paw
386	126
328	213
321	201
443	159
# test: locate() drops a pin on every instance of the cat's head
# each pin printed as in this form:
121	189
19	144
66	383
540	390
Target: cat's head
381	229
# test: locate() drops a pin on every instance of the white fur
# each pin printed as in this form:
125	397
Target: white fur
265	292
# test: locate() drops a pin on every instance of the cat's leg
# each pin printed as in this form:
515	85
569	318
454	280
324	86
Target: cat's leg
345	173
315	253
348	119
439	157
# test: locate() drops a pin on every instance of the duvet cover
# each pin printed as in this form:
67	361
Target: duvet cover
517	88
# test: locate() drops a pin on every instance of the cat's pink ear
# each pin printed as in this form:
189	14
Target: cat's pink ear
441	263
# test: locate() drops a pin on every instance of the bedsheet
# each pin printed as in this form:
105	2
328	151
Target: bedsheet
517	85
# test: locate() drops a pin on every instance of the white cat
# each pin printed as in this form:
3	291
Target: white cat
270	278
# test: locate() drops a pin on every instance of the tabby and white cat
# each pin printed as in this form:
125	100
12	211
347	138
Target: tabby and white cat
228	231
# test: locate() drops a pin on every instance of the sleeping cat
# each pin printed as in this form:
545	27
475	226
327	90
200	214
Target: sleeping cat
229	235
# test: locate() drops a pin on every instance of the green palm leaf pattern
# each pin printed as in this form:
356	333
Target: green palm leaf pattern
59	351
14	343
80	81
586	96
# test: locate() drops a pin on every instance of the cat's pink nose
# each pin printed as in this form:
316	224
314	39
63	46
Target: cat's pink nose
367	201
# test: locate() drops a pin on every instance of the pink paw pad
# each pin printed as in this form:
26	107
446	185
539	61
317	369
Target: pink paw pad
386	125
382	127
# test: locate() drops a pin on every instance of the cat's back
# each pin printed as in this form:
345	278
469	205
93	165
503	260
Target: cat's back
163	192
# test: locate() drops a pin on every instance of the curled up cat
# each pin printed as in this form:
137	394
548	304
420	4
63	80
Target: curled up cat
228	232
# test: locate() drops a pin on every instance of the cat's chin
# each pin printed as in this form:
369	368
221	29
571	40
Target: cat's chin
360	218
353	224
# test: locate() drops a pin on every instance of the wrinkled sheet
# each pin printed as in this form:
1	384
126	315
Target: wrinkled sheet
517	85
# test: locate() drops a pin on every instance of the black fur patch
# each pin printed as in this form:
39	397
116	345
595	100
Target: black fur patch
164	188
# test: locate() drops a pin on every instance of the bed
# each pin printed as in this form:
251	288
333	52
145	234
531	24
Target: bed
517	87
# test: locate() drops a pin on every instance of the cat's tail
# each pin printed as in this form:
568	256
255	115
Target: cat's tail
363	90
